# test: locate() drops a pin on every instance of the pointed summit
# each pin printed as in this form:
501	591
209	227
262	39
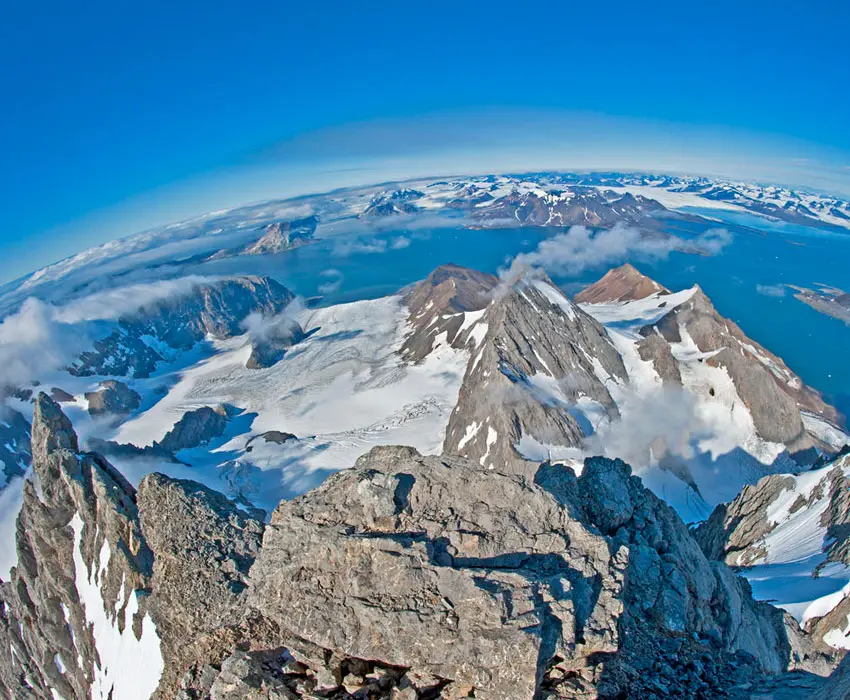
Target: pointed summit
439	304
624	283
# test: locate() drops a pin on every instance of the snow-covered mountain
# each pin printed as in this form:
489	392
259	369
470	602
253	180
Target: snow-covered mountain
649	202
790	536
153	481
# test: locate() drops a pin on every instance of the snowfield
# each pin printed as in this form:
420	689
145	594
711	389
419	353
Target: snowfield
341	391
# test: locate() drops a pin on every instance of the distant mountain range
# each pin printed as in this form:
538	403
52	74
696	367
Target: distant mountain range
649	202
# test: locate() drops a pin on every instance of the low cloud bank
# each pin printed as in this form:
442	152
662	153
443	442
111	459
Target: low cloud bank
282	327
41	338
571	253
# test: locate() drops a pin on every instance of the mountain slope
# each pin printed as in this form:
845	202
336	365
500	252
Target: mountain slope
391	578
533	378
790	534
216	309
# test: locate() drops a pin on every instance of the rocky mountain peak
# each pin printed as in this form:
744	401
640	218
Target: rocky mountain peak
441	304
624	283
51	428
534	356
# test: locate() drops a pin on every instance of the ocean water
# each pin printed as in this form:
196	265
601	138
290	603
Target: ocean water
744	281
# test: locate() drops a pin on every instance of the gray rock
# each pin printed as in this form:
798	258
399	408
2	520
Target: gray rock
418	562
113	398
60	395
195	428
203	547
76	507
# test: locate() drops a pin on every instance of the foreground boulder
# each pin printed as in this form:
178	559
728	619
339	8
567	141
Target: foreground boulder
492	586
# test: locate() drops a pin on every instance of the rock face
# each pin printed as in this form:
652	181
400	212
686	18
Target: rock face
203	549
113	398
15	451
535	354
418	563
75	616
216	309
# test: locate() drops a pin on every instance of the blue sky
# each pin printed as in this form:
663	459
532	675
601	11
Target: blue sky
119	115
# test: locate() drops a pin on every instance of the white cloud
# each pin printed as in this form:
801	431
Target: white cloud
40	338
281	326
335	279
569	254
344	248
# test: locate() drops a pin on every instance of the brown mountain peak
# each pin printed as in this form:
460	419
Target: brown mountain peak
624	283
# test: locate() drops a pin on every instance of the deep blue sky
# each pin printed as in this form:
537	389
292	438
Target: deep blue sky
105	101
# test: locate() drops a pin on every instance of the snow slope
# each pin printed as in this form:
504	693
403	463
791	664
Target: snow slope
341	391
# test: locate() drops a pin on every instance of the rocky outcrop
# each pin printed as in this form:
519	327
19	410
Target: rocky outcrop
216	309
535	355
74	618
282	235
269	347
276	437
421	564
60	395
113	398
15	451
203	546
195	428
